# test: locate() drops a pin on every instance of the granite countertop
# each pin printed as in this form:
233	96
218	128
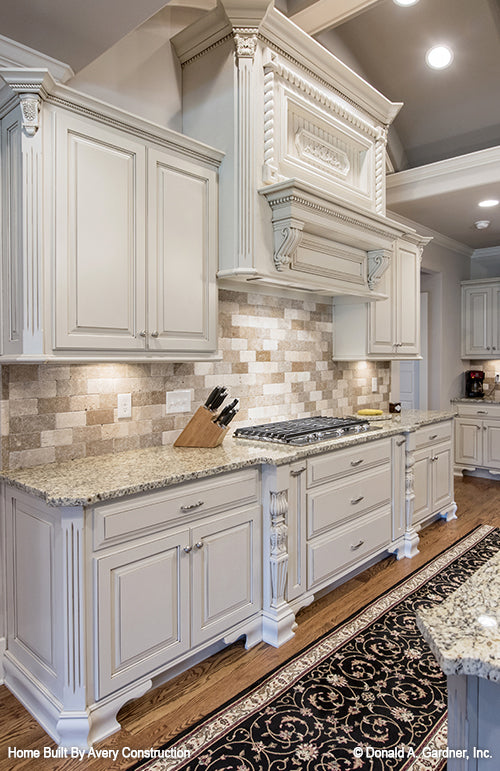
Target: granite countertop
475	400
86	481
463	631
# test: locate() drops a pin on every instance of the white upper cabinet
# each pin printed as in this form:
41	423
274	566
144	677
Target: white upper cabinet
303	180
111	234
481	319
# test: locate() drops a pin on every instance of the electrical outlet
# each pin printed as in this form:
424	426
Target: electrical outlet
124	406
374	385
178	401
497	377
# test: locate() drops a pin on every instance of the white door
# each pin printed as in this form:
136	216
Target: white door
99	237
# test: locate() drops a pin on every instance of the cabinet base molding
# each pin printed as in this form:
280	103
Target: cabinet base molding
449	513
477	471
407	546
251	631
102	720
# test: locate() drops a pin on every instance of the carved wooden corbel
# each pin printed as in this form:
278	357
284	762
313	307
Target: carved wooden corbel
378	262
286	240
30	110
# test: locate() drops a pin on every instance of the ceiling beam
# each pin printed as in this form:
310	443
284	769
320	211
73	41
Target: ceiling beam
323	14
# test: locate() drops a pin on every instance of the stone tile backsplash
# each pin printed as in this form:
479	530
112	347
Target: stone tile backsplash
276	358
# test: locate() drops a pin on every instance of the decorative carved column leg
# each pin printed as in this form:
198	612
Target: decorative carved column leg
411	536
278	617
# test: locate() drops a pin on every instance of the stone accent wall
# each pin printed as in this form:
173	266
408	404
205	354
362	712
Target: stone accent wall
490	367
276	357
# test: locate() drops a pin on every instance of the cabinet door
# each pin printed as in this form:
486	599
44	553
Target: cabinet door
442	476
142	609
382	317
476	317
423	487
182	254
468	441
491	443
408	300
226	573
495	320
99	279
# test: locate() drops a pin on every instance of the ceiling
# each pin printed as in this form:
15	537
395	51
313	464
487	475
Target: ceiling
447	113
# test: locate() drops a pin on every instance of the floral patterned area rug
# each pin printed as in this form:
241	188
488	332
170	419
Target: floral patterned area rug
368	695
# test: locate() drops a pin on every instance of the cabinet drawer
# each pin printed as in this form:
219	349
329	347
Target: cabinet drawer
147	513
479	410
347	545
438	432
329	505
342	462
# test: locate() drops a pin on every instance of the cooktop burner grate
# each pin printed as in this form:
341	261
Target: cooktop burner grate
303	430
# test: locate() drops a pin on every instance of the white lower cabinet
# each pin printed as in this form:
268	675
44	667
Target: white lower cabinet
477	437
433	472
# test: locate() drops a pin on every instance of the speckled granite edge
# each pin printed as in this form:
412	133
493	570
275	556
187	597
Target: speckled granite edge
86	481
463	631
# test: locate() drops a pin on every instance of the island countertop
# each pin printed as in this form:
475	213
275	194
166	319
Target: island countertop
85	481
463	631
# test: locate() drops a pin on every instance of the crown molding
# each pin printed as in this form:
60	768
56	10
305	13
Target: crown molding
320	15
14	54
481	167
438	238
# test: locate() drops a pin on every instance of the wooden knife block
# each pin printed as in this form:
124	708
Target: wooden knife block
201	431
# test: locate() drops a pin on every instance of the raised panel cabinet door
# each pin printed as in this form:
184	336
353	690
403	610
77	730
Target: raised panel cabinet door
491	444
442	476
495	320
382	316
422	485
468	441
182	254
476	313
408	300
99	271
226	573
142	609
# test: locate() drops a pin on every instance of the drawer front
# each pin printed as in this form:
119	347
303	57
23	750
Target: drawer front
479	410
337	464
329	505
150	512
438	432
347	545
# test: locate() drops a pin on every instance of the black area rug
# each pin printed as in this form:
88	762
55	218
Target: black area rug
368	695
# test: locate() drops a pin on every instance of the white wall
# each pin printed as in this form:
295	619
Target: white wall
141	73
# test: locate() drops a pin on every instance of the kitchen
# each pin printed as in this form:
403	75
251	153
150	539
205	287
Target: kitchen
272	342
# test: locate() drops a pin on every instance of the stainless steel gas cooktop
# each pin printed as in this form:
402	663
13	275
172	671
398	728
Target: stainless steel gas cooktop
304	430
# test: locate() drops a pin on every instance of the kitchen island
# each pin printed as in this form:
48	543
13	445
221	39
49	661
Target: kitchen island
124	570
464	635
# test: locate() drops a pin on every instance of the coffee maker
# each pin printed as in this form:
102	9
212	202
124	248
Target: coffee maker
474	383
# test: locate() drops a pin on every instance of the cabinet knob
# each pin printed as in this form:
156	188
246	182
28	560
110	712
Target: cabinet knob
356	546
155	333
493	347
142	333
199	545
192	506
434	457
487	347
187	549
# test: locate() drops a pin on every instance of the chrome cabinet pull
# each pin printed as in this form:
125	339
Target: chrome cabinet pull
187	549
192	506
356	546
199	545
482	412
356	462
298	471
354	501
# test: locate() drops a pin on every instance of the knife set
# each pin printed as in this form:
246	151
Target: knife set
207	427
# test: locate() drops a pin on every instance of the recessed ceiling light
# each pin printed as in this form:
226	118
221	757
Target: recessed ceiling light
488	202
482	224
405	2
439	57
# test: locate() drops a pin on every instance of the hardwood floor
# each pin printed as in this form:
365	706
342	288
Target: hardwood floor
164	712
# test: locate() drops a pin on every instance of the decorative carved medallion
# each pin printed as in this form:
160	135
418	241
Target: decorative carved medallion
378	262
30	109
321	153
